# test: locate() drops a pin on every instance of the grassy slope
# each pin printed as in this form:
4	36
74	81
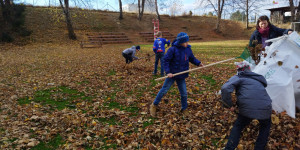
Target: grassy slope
48	25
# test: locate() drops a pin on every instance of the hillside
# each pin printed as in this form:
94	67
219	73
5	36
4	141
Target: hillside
48	25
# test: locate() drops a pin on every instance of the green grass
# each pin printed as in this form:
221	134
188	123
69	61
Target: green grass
216	141
222	49
209	79
83	82
114	84
135	130
148	123
113	104
110	121
112	72
58	97
2	130
51	145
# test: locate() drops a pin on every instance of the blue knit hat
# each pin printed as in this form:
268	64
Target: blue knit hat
182	38
137	47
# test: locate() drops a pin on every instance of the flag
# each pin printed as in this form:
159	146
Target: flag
275	2
246	55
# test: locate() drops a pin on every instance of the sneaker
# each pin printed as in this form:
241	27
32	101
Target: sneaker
153	110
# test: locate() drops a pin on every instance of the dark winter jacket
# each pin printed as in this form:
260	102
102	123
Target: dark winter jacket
177	59
274	32
252	98
159	45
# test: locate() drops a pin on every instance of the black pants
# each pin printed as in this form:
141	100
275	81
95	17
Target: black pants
128	58
236	132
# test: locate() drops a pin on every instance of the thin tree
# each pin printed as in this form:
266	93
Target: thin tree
217	5
121	11
6	9
248	6
65	8
292	7
174	6
247	14
219	11
298	12
141	5
156	9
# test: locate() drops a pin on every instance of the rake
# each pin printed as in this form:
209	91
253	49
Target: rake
245	55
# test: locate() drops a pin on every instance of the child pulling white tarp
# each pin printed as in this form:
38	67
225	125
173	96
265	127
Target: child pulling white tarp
281	68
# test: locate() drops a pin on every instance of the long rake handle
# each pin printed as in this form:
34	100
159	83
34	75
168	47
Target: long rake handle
146	57
190	70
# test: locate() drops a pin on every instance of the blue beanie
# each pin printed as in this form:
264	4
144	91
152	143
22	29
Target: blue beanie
137	47
182	38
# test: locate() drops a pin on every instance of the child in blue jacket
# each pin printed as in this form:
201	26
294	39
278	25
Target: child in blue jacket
159	50
176	60
253	102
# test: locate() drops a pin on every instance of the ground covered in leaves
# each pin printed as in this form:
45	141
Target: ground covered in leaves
63	97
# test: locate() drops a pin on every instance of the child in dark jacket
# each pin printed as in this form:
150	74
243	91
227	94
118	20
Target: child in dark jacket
159	50
253	102
176	60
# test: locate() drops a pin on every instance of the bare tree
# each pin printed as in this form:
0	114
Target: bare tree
295	10
174	6
121	11
141	5
298	12
219	12
65	8
248	6
6	9
217	5
292	7
156	9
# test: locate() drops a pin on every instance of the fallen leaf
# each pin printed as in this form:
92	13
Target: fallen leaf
275	119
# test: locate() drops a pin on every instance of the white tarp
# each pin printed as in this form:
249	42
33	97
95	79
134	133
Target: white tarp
281	68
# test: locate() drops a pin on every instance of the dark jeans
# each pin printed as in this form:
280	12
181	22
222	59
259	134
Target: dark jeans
182	89
159	56
239	125
127	57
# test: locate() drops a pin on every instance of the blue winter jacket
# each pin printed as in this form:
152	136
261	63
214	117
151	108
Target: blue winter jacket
274	32
252	98
177	60
159	45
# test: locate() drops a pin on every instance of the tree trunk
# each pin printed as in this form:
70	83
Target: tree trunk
292	10
141	12
121	11
247	14
220	9
143	6
6	10
139	7
68	19
298	12
156	8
